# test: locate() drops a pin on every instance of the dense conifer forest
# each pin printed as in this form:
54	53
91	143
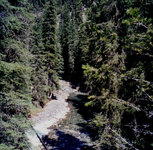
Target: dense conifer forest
104	46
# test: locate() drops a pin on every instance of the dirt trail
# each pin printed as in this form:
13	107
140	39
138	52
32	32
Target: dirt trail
52	113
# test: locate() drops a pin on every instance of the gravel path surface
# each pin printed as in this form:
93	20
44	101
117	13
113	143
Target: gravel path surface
52	113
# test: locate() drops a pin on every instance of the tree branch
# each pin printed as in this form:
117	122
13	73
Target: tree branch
138	80
127	103
122	139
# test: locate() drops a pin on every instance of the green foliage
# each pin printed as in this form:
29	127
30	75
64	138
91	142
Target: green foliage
15	70
106	45
30	62
12	131
71	17
39	74
50	49
116	45
15	101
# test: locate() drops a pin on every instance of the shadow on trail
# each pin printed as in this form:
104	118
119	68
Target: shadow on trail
75	132
64	141
78	102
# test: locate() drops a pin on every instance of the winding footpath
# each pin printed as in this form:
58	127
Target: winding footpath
52	113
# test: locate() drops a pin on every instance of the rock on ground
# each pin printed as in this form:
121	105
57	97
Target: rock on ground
52	113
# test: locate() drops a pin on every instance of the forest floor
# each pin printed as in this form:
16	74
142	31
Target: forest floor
53	112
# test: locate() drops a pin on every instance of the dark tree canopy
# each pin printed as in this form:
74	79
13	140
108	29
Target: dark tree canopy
104	46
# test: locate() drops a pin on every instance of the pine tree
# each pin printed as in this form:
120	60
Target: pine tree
49	40
116	61
15	74
39	75
71	17
64	27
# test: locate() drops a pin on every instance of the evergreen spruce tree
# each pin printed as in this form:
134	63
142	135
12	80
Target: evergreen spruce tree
117	78
64	27
49	40
71	17
39	75
104	44
15	74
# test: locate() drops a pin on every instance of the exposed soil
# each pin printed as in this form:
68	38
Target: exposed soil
64	123
53	112
74	132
